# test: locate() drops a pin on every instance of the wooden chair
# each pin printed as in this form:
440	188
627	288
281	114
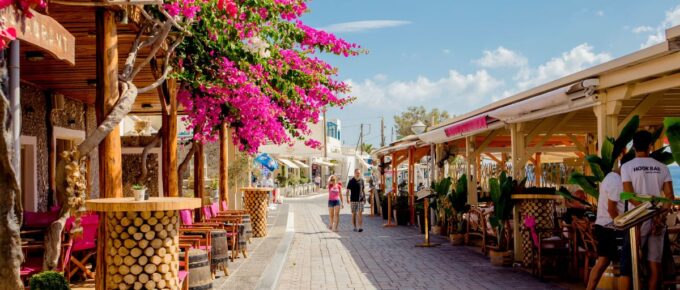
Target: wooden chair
477	226
233	225
546	244
85	245
587	245
33	263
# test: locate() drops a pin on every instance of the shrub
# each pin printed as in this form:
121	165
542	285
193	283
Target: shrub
49	280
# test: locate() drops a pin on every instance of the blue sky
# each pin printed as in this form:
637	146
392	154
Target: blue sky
460	55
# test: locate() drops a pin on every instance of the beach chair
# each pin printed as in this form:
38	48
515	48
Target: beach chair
84	246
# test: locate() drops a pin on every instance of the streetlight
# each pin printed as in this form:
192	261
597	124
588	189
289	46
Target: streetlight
418	127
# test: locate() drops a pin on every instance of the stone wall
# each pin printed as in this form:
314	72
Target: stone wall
132	164
34	123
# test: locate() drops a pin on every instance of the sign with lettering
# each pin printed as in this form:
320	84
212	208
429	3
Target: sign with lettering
42	31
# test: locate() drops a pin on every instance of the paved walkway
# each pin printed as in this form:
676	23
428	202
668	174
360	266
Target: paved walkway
383	258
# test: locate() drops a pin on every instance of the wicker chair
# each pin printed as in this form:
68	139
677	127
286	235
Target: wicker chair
549	244
586	245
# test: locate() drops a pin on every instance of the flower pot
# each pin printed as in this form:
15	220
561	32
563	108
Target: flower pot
140	194
457	239
436	230
500	258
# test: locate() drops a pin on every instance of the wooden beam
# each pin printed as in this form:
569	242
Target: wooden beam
549	122
557	126
641	109
110	158
581	147
224	164
494	158
642	70
486	141
171	180
199	174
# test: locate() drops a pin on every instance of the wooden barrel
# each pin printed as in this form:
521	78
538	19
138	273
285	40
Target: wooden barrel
242	240
248	226
200	277
220	252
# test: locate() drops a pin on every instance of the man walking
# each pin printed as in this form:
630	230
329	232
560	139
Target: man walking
646	176
356	196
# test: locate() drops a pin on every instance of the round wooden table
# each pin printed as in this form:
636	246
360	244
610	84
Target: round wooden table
257	204
142	241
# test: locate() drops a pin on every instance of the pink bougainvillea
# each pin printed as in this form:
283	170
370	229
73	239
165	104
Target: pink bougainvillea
252	64
8	33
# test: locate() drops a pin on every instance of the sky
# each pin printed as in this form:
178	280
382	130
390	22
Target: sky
460	55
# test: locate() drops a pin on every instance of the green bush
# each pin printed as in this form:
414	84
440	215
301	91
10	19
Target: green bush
49	280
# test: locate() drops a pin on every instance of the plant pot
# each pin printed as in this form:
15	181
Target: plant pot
457	239
140	194
436	230
403	216
500	258
384	211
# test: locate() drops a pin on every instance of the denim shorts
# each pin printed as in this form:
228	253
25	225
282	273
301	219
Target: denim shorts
333	203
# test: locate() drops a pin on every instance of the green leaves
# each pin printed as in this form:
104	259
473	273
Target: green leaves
567	195
587	183
672	125
625	137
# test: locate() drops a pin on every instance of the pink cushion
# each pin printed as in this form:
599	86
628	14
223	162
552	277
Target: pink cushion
185	215
224	205
90	224
39	219
215	208
206	212
31	266
182	275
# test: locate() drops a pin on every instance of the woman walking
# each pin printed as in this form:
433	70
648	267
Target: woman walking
335	203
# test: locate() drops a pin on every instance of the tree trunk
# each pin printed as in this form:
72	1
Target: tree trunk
224	164
10	241
183	167
145	153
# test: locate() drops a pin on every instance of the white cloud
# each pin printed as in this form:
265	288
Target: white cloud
463	91
364	25
501	57
642	29
578	58
380	77
446	51
599	13
672	19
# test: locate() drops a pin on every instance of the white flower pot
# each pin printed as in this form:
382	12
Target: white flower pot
140	194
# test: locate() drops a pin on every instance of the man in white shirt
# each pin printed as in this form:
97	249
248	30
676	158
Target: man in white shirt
609	206
646	176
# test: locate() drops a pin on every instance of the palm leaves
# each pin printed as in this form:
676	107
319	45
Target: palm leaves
501	191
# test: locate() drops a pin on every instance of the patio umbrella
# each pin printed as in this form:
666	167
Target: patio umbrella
265	160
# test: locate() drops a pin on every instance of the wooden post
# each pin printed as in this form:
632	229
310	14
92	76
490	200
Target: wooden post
110	158
470	167
538	171
199	188
517	155
224	164
171	181
411	185
235	201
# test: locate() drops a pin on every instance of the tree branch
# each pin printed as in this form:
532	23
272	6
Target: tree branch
183	166
145	170
159	39
157	83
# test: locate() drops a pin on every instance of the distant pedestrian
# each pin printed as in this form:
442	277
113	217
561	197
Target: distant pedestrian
357	197
317	181
335	203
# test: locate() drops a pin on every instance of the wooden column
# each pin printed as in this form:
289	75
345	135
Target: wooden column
382	175
224	164
607	120
234	199
538	171
171	181
470	171
517	161
411	184
110	158
199	178
392	193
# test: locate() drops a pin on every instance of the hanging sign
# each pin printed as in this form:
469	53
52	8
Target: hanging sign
42	31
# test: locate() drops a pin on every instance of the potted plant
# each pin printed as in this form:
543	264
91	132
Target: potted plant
139	192
383	205
215	188
458	200
440	204
49	280
401	208
501	190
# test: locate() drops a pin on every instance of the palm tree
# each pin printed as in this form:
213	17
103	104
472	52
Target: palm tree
368	148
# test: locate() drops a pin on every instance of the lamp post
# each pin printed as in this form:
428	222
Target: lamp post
418	127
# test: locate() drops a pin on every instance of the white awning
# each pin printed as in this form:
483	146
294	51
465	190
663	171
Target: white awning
300	163
288	163
324	163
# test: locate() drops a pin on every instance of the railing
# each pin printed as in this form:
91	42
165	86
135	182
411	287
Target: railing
297	190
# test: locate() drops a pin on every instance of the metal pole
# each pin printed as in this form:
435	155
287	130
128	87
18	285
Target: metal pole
15	105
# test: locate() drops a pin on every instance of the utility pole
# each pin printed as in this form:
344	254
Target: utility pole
382	131
392	138
360	143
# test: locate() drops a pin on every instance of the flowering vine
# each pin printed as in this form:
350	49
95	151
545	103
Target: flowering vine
252	64
8	33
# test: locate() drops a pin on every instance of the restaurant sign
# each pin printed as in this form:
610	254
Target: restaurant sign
42	31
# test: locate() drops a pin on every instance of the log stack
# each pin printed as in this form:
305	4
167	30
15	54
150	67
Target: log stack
141	241
142	250
257	203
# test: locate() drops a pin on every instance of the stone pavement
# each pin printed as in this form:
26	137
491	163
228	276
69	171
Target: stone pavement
383	258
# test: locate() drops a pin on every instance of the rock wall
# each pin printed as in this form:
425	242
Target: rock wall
132	164
34	123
